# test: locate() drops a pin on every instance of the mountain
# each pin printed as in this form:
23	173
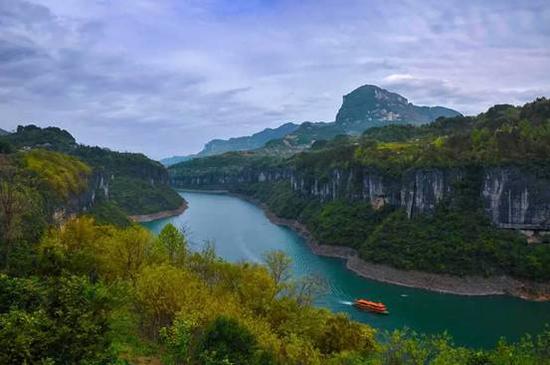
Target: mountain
3	132
257	140
371	106
459	196
365	107
169	161
219	146
131	182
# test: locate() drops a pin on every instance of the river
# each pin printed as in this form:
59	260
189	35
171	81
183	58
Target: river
241	231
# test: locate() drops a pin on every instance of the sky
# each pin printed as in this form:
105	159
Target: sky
163	77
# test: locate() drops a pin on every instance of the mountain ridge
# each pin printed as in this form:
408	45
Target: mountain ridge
365	107
244	143
372	106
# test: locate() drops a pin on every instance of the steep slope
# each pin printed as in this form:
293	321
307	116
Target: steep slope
3	132
365	107
448	197
130	181
371	106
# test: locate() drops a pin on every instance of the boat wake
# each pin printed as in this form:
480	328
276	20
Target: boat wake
345	302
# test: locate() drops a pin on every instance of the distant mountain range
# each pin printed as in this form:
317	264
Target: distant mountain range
365	107
219	146
3	132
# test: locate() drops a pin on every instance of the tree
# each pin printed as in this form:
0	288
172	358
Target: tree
306	289
126	252
279	265
161	291
341	334
12	207
55	321
226	341
173	242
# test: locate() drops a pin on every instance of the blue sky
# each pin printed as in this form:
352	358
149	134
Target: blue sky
164	77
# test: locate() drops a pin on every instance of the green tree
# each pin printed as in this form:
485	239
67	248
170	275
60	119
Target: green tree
12	208
62	320
226	341
279	265
173	242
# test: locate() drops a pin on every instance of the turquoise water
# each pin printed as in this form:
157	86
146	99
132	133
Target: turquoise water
241	231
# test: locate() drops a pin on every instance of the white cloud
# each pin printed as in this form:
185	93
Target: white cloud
398	78
165	76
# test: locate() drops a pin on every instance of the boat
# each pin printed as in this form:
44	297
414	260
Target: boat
367	305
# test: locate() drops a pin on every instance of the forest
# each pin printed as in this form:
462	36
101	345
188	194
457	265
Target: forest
457	238
130	182
83	290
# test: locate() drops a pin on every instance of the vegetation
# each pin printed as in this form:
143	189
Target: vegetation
458	238
66	175
85	292
135	184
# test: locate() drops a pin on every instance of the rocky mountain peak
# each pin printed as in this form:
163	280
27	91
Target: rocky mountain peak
372	106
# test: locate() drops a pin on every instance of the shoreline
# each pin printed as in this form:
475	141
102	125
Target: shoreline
442	283
143	218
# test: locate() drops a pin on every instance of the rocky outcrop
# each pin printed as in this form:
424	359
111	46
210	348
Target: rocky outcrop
514	198
97	189
371	106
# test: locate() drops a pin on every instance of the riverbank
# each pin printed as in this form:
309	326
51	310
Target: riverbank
159	215
443	283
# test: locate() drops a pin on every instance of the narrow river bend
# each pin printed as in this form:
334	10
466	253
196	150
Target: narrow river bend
241	231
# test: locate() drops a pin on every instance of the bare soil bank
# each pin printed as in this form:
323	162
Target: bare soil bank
460	285
159	215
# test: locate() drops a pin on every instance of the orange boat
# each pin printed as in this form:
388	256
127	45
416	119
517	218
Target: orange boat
367	305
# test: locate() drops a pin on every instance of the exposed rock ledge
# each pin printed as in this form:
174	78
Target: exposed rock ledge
159	215
443	283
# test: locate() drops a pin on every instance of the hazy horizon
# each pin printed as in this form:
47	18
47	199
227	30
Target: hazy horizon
165	77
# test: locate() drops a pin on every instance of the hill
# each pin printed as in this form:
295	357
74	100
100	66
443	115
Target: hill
219	146
371	106
454	196
130	181
83	291
365	107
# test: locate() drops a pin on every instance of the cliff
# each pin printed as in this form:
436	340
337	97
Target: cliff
371	106
513	197
131	181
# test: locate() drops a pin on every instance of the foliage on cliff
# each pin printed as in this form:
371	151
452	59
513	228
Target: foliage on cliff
66	175
94	293
504	134
458	238
136	184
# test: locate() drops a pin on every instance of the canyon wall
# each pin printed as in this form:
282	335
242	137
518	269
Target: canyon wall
513	197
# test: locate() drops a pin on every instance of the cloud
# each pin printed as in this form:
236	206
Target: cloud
165	76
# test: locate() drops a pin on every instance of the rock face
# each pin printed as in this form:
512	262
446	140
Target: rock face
365	107
371	106
513	198
98	189
516	200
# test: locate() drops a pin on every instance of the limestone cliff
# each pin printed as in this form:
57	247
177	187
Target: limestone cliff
512	197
